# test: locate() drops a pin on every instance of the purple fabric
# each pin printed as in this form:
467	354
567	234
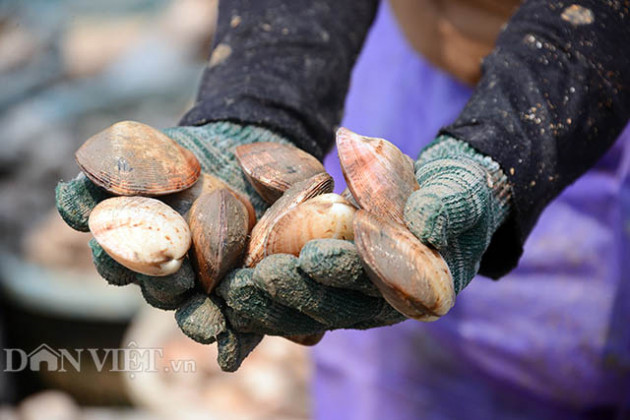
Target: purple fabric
550	340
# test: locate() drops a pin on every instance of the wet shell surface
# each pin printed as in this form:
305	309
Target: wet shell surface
219	224
328	216
379	176
412	277
183	200
143	234
130	158
302	191
272	168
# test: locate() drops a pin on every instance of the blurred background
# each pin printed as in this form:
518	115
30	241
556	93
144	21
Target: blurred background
68	69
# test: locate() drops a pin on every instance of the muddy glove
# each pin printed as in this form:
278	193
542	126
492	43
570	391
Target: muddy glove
198	315
324	289
463	199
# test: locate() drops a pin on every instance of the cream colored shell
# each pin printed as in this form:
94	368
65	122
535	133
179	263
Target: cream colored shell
143	234
328	216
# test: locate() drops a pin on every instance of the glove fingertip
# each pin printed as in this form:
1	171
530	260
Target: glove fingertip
426	218
75	200
200	319
168	292
335	263
108	268
234	347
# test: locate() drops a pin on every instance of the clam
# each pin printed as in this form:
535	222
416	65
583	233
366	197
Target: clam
183	200
300	192
348	196
219	224
272	168
412	277
328	216
379	176
143	234
130	158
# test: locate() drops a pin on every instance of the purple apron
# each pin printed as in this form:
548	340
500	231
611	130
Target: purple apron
549	341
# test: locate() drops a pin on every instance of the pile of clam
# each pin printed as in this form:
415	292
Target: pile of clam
166	209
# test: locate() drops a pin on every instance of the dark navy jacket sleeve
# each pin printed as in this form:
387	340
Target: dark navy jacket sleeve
284	65
554	96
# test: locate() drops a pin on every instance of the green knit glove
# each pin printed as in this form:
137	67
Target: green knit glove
323	289
463	198
198	315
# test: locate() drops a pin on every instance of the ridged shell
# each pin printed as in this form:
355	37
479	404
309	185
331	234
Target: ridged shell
348	196
130	158
412	277
219	224
328	216
321	183
273	168
378	174
143	234
183	200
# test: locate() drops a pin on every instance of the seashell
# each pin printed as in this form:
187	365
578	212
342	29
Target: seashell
143	234
130	158
272	168
327	216
219	224
378	174
412	277
319	184
348	196
183	200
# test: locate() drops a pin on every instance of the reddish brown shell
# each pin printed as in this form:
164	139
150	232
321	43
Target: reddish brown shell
273	168
130	158
379	176
321	183
412	277
183	200
327	216
219	224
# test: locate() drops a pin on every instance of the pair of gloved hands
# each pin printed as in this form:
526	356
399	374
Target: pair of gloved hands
462	200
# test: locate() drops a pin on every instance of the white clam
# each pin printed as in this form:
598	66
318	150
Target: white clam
143	234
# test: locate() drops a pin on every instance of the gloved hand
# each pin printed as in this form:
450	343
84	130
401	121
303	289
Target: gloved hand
198	315
324	289
462	200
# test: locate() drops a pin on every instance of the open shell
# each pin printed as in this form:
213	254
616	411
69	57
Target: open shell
412	277
379	176
183	200
321	183
273	168
143	234
328	216
130	158
219	224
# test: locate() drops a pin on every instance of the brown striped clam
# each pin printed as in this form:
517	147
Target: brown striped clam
130	158
272	168
219	225
379	176
143	234
300	192
183	200
327	216
412	277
